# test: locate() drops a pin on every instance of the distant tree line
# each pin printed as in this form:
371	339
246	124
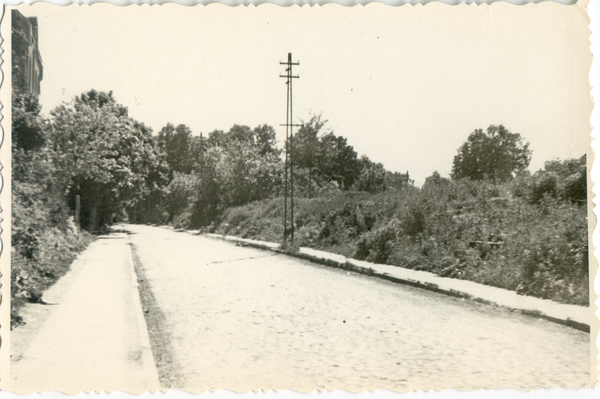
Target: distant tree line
93	149
207	175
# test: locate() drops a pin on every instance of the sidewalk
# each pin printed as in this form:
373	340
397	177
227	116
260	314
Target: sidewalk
578	317
94	336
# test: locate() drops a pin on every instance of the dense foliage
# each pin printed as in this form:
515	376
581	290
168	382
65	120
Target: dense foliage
496	154
105	156
243	165
88	148
493	223
498	235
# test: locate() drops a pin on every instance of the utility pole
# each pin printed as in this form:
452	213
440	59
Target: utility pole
289	149
78	213
203	179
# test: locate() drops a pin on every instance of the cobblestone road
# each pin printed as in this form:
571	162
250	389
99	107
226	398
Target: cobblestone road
241	319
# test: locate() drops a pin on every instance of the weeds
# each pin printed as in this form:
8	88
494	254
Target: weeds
502	235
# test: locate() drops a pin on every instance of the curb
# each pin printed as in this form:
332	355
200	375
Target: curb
577	317
146	357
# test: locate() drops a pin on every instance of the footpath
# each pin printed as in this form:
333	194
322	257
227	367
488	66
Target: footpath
91	336
578	317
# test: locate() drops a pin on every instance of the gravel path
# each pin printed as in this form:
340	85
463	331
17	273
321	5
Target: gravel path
241	319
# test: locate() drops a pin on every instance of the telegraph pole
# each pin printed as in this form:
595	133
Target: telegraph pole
289	149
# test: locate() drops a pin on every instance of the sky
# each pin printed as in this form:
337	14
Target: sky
405	85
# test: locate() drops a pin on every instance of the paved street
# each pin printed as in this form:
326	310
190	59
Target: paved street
242	318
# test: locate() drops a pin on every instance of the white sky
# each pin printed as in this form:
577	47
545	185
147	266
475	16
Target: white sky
405	86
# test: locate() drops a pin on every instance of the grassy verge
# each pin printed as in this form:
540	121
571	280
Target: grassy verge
465	230
31	276
44	241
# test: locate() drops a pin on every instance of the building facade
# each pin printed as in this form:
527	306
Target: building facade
27	67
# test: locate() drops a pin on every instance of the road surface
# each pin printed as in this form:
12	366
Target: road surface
240	318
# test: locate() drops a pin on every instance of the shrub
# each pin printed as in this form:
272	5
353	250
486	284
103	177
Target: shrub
546	183
377	245
460	229
413	220
575	187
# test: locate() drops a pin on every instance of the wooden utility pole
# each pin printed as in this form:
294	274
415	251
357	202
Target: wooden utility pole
78	212
289	149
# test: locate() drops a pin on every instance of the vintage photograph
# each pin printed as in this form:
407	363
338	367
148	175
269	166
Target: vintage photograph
306	198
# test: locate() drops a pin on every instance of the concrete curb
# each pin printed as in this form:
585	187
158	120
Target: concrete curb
146	357
577	317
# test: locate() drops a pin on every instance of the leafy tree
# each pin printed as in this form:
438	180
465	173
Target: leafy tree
545	183
563	179
496	154
265	140
217	138
566	167
152	172
181	192
100	155
247	176
241	133
233	168
175	143
339	162
198	147
27	124
397	181
308	151
372	176
262	136
209	196
435	182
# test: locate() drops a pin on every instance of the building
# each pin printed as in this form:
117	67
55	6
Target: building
27	68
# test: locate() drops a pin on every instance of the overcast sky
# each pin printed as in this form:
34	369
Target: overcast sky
405	85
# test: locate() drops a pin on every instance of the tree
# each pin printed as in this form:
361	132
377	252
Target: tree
152	171
27	124
175	143
100	154
397	180
565	179
339	161
372	176
234	168
308	151
265	139
496	154
246	175
209	202
181	192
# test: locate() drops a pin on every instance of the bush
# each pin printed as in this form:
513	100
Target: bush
413	220
575	187
377	245
461	229
546	183
43	236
